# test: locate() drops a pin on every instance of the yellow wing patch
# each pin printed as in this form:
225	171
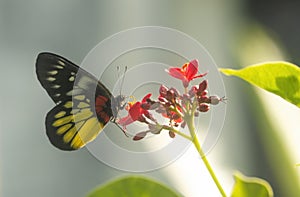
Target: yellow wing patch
79	97
92	125
63	129
68	104
71	125
83	105
62	121
60	114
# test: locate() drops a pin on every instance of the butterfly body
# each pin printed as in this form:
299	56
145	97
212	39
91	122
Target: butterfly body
83	104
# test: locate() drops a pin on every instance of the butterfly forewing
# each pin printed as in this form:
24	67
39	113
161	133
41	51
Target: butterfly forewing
83	104
56	75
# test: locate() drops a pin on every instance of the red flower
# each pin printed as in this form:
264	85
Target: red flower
136	112
186	73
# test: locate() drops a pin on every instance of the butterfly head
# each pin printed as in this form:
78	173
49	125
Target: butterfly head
118	104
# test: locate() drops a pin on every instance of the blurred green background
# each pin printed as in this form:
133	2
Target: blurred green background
260	133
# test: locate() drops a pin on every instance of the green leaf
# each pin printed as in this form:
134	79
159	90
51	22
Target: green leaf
281	78
250	187
133	186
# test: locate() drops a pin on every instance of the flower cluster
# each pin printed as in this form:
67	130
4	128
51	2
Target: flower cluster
171	104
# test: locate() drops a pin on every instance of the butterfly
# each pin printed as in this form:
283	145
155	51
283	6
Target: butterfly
83	104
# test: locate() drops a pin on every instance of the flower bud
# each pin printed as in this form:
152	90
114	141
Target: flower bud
204	93
203	99
193	91
140	136
202	86
163	90
174	91
214	100
162	99
183	124
203	107
170	96
154	128
171	134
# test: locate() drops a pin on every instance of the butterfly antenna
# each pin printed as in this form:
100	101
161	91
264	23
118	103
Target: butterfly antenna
118	71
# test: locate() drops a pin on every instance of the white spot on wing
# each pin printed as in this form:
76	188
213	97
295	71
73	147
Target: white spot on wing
53	72
56	86
58	66
61	62
51	79
72	78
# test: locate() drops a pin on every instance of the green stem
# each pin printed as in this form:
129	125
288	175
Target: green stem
190	123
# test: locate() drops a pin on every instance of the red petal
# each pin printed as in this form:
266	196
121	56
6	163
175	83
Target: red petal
125	121
135	111
201	75
192	69
176	72
146	97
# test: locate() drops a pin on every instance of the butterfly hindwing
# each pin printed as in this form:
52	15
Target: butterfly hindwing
83	104
72	124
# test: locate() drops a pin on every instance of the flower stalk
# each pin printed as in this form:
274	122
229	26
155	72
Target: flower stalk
178	109
190	123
